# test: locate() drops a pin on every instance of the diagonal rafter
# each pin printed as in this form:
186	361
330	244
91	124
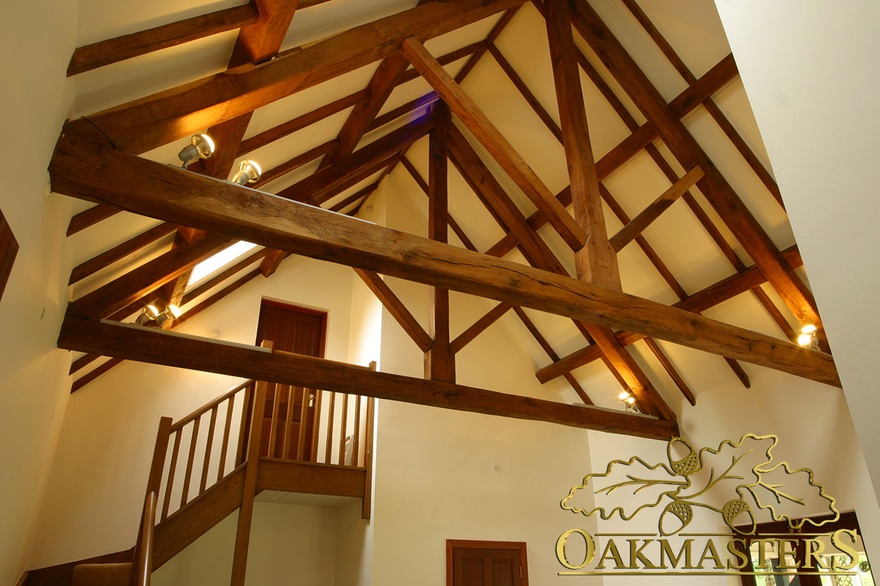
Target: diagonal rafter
747	153
715	187
135	284
700	301
501	150
329	182
148	123
364	113
396	308
95	55
539	255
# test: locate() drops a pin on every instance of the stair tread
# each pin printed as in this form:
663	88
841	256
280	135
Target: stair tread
110	574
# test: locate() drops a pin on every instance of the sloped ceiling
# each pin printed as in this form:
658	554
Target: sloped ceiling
672	142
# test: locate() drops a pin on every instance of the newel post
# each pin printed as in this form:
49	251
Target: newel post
154	482
246	511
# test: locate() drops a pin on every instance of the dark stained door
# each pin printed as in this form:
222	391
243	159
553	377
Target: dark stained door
289	424
486	563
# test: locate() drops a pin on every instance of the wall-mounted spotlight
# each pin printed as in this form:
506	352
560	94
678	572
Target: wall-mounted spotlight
629	402
248	172
151	316
171	312
147	316
808	337
201	146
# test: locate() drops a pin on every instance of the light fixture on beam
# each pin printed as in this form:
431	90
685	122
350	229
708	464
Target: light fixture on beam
201	146
151	316
629	402
147	316
808	337
171	312
248	172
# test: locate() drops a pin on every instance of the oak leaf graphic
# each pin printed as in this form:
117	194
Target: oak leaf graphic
742	475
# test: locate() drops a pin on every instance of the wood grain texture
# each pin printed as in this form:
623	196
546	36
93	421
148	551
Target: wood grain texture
714	186
638	224
169	193
161	347
396	308
186	525
150	122
700	301
501	150
310	478
440	359
596	262
118	49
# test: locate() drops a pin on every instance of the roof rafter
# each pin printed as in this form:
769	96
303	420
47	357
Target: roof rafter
686	149
494	142
166	116
700	301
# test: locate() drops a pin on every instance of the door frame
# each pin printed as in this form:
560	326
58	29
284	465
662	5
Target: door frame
845	520
518	546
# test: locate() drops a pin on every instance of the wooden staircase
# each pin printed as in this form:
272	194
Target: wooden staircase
218	458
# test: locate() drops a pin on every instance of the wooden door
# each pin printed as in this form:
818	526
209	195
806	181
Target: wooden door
289	425
486	563
803	577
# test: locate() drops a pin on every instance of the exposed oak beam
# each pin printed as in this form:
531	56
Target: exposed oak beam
713	109
489	41
439	359
396	308
151	275
596	262
151	122
545	345
326	183
700	301
120	251
191	352
479	326
539	255
82	168
381	85
501	150
638	224
260	41
686	149
103	53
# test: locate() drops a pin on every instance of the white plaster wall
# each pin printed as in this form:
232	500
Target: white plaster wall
354	559
444	474
354	547
288	544
809	70
99	475
35	98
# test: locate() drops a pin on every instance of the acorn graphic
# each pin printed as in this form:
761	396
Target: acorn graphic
688	465
734	509
675	517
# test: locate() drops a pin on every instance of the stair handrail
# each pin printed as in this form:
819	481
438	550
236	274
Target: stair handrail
142	568
208	406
